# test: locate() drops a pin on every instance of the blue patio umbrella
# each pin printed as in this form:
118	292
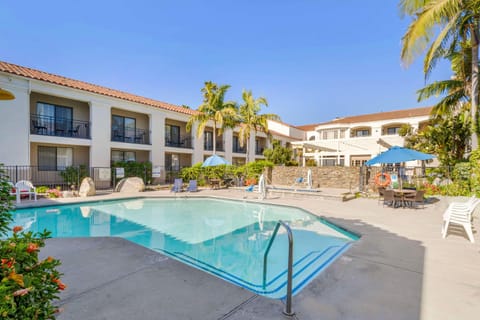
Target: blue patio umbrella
398	154
214	161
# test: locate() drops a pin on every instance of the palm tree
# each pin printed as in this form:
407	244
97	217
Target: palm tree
250	120
213	108
456	89
459	21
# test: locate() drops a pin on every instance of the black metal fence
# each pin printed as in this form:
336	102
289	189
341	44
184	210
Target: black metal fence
409	177
105	178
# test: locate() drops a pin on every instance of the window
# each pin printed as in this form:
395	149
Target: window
55	118
236	144
362	133
208	140
54	159
172	135
259	146
330	161
393	130
330	134
123	128
118	155
358	163
172	162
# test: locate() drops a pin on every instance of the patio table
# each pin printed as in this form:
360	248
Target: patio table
401	193
214	183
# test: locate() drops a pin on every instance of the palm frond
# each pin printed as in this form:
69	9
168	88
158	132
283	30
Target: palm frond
417	37
410	7
448	105
441	46
438	88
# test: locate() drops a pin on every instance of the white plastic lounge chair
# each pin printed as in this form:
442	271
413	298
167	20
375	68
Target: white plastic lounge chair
177	185
460	213
192	186
25	187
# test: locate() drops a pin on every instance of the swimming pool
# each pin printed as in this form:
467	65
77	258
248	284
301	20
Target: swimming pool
223	237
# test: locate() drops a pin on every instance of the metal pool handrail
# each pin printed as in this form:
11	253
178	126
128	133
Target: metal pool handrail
288	307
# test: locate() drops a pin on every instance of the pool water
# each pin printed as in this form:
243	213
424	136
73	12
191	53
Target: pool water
223	237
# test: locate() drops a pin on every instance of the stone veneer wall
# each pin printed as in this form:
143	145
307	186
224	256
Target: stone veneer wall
322	177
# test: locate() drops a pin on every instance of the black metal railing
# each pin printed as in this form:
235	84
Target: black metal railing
59	127
104	178
60	177
138	136
259	151
182	142
238	149
219	146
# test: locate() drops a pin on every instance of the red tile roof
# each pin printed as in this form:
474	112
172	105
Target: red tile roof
85	86
396	114
278	134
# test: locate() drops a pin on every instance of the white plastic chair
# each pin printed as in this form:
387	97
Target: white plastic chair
460	213
25	187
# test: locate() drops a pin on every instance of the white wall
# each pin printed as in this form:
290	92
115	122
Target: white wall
100	124
15	123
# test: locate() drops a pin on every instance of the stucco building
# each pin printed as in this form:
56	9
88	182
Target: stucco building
351	141
56	122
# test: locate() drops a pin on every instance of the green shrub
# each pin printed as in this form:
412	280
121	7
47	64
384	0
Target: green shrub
42	189
193	173
135	169
74	175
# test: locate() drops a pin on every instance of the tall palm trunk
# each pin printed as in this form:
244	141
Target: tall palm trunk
214	139
475	75
247	149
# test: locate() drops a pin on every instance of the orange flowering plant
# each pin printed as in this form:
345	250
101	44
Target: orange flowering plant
28	285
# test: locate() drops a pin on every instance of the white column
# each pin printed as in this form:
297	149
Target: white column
100	132
303	157
228	136
252	146
157	136
198	151
15	126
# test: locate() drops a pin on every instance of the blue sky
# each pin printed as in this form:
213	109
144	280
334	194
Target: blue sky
312	60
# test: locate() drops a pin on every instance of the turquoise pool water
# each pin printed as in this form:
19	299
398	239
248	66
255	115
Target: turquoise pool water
225	238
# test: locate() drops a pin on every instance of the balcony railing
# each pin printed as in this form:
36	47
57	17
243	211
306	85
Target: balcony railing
60	127
218	146
138	136
182	142
238	149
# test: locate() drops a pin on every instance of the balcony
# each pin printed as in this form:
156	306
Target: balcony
59	127
238	149
218	146
259	151
182	142
138	136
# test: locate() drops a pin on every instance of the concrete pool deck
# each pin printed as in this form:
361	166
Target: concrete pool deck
401	268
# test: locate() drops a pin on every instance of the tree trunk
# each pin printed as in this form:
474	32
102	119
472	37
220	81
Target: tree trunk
214	137
247	147
475	91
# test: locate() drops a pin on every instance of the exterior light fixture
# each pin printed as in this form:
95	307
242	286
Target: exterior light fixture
6	95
